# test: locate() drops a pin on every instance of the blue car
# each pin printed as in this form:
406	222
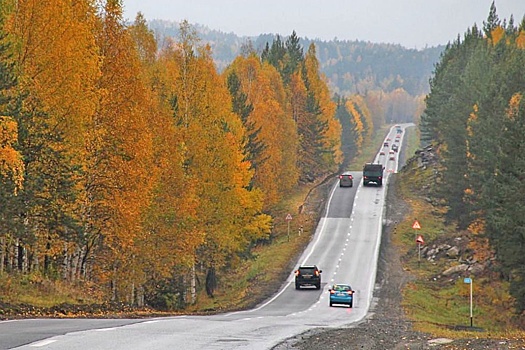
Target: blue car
341	294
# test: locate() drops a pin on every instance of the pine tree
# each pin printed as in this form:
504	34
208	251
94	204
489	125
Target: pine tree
254	146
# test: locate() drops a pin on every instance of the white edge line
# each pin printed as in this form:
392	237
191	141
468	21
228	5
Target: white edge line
41	343
287	284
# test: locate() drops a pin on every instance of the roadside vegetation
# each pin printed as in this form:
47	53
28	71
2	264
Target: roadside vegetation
437	303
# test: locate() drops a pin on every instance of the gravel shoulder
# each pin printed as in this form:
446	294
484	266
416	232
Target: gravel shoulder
386	326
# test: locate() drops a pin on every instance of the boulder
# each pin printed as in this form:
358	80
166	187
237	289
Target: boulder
455	269
453	252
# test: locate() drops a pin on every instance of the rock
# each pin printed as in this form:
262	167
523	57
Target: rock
444	247
455	269
453	252
476	268
440	341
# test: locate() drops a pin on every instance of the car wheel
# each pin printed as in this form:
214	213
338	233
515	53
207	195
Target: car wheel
297	286
330	303
318	286
351	304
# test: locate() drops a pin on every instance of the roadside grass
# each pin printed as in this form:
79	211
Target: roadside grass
41	292
437	305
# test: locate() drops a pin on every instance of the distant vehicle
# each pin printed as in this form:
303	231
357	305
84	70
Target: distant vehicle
398	129
386	144
346	179
341	294
398	136
308	275
392	155
395	147
382	153
373	173
397	140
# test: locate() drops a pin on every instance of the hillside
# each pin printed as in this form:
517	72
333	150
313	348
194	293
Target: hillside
350	66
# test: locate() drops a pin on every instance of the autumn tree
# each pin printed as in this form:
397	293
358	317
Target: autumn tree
228	214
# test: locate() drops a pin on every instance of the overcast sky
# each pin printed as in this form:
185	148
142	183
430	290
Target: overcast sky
411	23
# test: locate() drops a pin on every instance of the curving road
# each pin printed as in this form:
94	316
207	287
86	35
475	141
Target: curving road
345	247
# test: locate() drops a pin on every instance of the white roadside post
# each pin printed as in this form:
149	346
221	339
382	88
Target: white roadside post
469	281
288	218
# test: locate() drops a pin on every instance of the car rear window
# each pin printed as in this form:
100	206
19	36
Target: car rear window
341	288
309	270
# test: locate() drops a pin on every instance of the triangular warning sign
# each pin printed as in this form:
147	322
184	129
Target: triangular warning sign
416	225
420	240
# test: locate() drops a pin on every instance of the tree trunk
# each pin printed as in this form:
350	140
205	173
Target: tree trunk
2	254
211	281
193	285
65	264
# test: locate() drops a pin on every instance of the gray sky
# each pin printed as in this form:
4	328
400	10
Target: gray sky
411	23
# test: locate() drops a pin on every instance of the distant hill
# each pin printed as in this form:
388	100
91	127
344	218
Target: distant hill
350	66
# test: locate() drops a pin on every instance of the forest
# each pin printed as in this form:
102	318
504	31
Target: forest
392	78
138	169
475	121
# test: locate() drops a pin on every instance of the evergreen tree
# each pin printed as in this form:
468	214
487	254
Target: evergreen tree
492	21
240	106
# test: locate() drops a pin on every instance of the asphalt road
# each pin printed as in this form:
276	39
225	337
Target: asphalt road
345	247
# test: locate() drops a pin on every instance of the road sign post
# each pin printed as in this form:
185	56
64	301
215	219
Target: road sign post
469	281
420	241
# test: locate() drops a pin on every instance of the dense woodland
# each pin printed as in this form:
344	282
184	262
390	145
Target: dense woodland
139	169
475	119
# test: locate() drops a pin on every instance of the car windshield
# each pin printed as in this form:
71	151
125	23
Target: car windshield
341	287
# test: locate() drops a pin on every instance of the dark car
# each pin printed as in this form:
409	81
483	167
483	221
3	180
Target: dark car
386	144
346	179
373	173
308	275
341	293
395	147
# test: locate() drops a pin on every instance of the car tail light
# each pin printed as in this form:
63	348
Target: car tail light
297	273
350	292
340	176
317	273
332	291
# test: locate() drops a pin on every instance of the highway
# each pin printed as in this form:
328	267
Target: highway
345	246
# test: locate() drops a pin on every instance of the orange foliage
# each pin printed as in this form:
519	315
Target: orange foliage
11	162
497	34
520	40
262	84
514	106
